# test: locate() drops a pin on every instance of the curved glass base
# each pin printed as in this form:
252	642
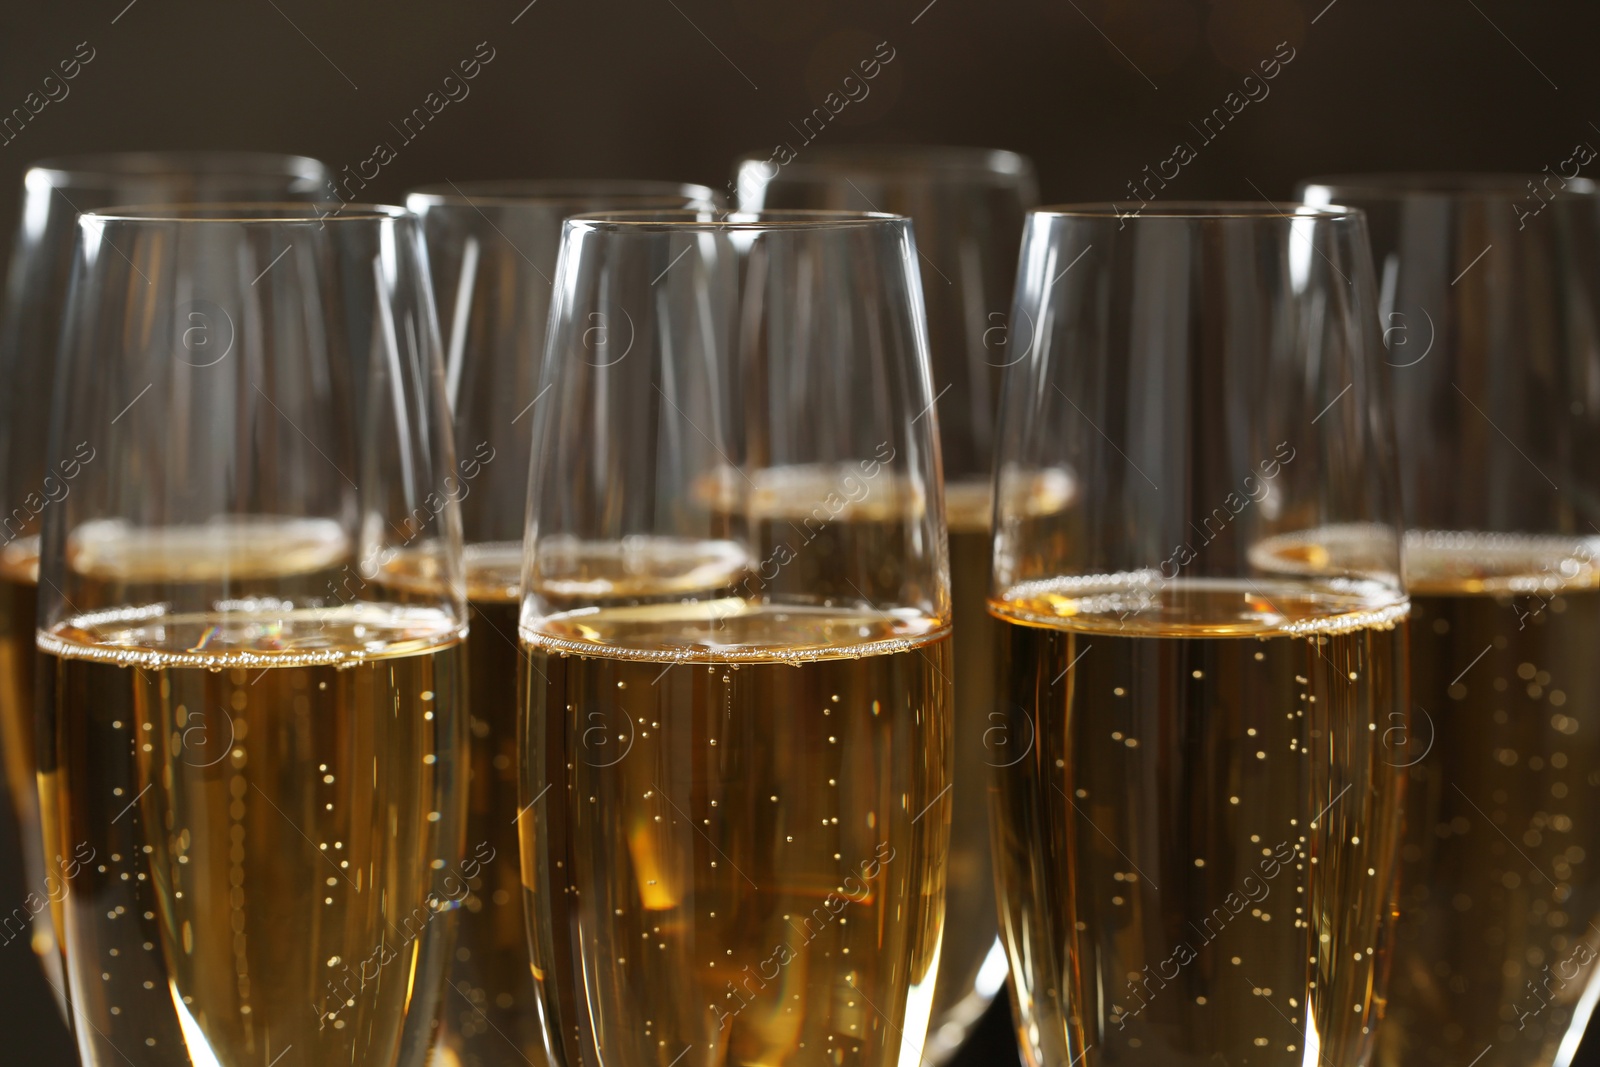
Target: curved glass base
951	1027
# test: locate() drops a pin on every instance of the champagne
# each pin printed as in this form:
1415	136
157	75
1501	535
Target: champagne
971	939
1497	943
971	936
1197	852
19	601
734	830
263	804
793	515
489	1014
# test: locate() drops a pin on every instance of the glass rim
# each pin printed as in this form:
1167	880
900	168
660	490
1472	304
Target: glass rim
91	167
1422	184
246	212
734	221
915	161
1203	211
554	192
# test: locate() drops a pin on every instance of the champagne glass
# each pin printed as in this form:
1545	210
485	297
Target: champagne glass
967	205
492	250
1490	301
54	191
1201	657
254	745
735	615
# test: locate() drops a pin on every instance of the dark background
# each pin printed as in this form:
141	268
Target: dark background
1094	90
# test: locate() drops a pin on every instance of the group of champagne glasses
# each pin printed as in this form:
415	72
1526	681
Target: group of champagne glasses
575	623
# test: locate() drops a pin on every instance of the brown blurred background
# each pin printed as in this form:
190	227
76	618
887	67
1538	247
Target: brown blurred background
1094	90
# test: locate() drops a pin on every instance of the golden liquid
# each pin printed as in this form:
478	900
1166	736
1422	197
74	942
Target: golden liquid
735	823
19	598
46	881
1497	940
794	516
1197	851
971	929
271	800
488	1014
